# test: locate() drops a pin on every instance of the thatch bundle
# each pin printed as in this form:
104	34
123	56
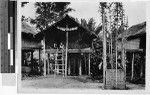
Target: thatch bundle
135	31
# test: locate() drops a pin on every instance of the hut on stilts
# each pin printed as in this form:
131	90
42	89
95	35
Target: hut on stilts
67	47
29	46
135	47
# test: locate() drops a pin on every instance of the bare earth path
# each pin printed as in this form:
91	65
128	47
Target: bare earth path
67	82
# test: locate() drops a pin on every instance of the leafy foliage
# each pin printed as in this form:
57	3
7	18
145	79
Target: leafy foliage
49	12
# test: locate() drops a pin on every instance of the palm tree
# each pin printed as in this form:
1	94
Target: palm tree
49	12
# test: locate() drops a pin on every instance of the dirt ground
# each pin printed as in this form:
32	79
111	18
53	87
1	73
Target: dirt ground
68	82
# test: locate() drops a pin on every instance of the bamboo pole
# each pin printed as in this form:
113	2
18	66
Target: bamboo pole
104	52
66	59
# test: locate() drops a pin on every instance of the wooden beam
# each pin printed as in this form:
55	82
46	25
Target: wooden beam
131	50
88	50
66	59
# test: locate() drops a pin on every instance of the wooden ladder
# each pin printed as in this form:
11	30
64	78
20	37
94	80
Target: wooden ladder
59	67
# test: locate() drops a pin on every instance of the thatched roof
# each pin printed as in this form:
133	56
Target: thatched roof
135	30
28	39
55	35
26	28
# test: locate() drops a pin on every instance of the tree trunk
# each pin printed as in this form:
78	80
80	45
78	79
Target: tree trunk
104	52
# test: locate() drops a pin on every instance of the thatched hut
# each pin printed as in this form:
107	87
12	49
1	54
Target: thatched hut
135	47
29	46
70	40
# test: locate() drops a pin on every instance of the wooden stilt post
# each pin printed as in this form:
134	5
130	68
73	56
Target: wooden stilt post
141	63
80	68
66	59
89	65
104	52
48	64
141	73
44	58
39	56
132	73
69	68
74	67
32	58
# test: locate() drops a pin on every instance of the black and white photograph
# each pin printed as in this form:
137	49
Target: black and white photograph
83	45
74	47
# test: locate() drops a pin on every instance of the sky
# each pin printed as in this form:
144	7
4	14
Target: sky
135	10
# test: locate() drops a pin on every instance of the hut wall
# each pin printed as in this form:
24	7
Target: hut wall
29	44
132	44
